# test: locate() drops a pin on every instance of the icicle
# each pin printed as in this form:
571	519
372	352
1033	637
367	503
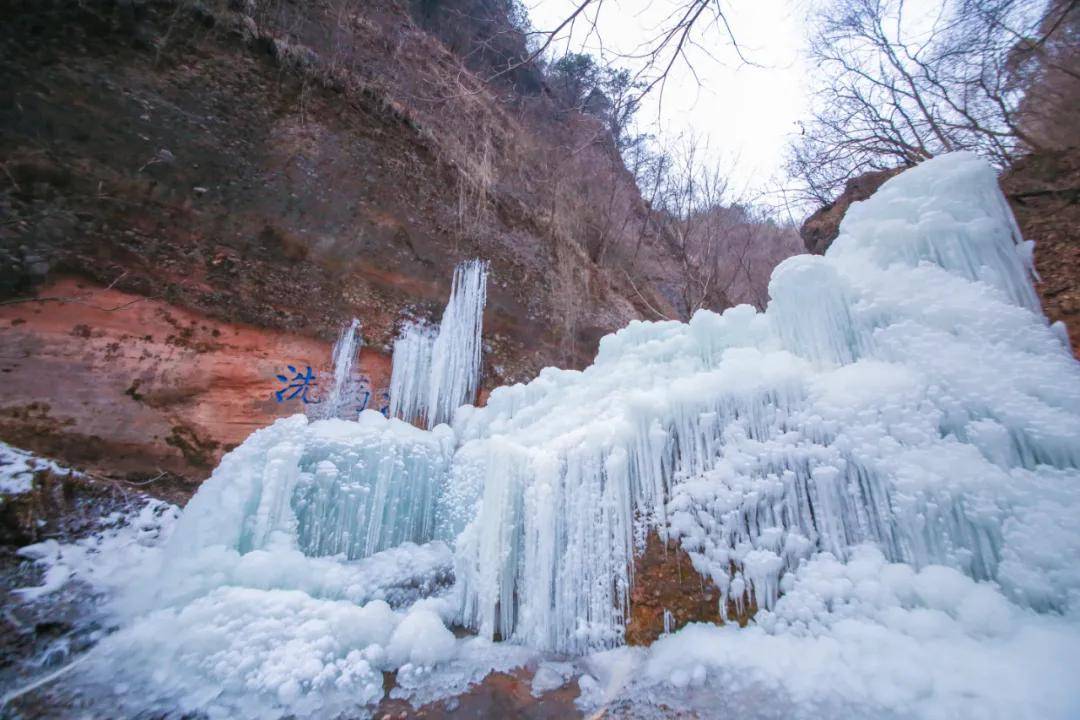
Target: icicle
345	352
456	351
411	375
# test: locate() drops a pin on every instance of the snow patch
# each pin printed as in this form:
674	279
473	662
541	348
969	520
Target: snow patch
17	469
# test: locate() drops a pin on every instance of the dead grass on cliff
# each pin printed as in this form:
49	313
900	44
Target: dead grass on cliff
506	154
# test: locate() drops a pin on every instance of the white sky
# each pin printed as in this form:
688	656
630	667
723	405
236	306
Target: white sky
747	114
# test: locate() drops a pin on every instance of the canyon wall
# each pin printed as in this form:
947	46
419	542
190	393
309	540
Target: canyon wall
233	180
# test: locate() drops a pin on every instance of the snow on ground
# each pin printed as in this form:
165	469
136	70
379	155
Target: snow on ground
69	600
886	462
124	551
17	468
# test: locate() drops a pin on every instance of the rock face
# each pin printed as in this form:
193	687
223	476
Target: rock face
266	171
665	582
821	228
1044	192
247	167
132	385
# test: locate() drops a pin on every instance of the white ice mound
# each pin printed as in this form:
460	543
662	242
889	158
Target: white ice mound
327	487
902	394
902	390
290	583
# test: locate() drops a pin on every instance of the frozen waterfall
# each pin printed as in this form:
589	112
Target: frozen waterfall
411	372
903	391
894	443
346	349
435	373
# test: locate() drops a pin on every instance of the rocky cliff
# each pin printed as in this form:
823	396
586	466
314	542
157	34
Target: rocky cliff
195	195
821	228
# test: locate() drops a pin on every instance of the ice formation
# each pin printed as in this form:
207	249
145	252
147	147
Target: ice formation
456	352
411	373
858	639
902	390
324	488
884	461
434	374
300	572
346	349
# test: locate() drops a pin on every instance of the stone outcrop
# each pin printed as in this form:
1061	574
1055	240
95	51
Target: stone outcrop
821	228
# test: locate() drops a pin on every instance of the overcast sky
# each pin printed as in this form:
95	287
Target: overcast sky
746	113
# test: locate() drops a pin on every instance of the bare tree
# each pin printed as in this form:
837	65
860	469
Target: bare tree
900	87
685	27
725	249
1048	64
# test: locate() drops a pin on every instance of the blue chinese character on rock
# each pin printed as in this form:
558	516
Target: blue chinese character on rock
363	393
366	396
299	384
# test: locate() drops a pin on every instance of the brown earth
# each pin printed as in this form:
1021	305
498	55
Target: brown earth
665	581
499	695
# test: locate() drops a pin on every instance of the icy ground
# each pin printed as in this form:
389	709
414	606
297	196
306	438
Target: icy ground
17	468
58	601
885	463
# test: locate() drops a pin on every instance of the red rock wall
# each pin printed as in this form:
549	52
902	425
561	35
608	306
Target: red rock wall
665	581
131	384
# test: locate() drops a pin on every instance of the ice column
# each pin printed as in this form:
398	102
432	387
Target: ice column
456	352
435	373
345	352
411	373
